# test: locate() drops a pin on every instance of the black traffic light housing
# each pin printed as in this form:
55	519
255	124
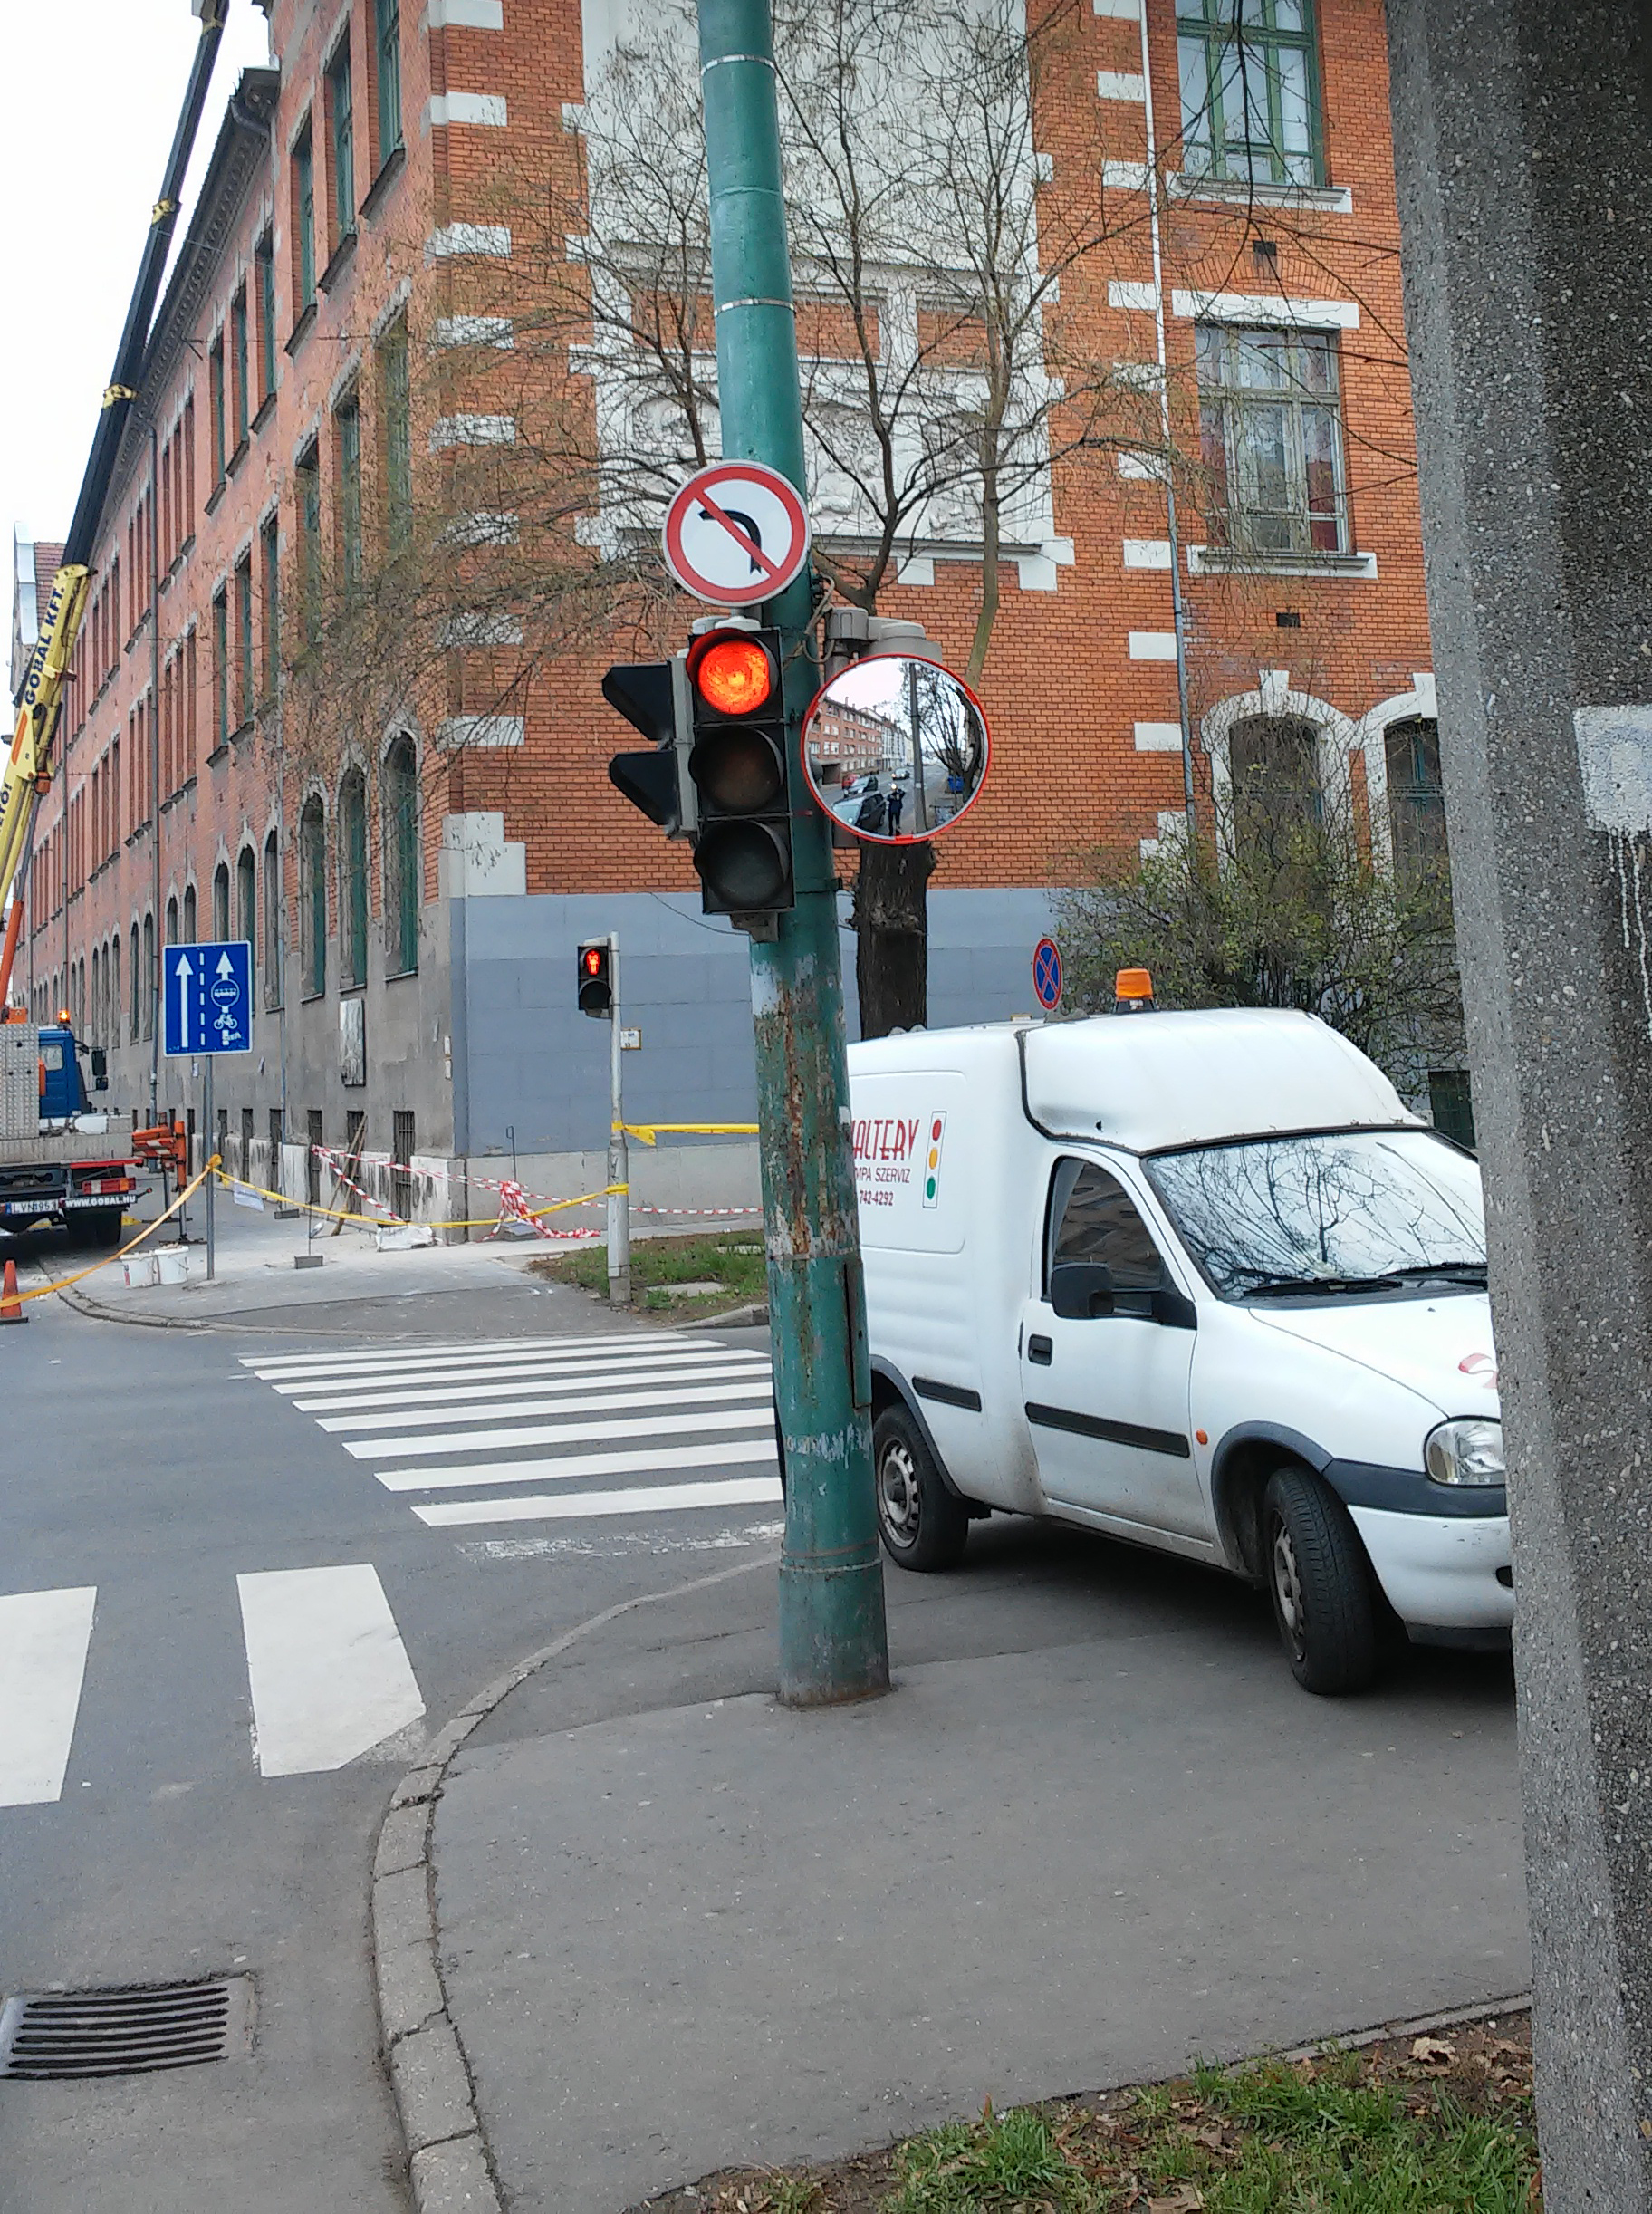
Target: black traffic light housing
738	768
596	978
654	697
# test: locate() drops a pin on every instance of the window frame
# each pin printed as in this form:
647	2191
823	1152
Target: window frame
387	72
269	547
264	266
303	215
220	667
347	434
1207	28
246	670
307	475
354	889
1130	1300
240	343
312	896
1226	400
396	414
401	858
342	142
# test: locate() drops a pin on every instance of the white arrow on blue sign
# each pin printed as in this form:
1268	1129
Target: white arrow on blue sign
207	999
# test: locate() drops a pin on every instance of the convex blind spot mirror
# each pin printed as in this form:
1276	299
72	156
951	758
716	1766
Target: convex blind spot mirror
896	748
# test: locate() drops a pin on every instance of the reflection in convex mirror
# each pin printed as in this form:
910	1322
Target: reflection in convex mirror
896	748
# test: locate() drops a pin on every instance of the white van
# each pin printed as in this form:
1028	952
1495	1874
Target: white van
1200	1281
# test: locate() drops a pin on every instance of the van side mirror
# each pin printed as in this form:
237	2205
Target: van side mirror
1080	1291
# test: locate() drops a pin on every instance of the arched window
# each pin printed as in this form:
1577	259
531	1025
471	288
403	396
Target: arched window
220	902
94	1024
272	922
114	989
352	879
1273	765
313	894
190	932
398	803
134	1020
246	900
171	937
149	977
1417	797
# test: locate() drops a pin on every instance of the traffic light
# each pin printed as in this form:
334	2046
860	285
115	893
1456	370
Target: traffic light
737	765
596	978
654	696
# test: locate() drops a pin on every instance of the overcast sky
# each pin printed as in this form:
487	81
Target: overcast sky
92	92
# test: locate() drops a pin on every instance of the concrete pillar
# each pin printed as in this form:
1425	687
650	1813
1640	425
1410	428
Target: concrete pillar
1523	138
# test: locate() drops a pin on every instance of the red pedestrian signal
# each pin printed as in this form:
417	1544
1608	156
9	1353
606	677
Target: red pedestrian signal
596	978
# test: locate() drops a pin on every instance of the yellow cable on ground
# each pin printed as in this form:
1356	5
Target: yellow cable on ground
59	1283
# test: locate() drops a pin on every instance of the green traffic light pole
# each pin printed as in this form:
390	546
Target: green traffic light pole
833	1640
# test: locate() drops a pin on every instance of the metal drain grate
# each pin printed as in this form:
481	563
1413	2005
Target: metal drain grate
49	2035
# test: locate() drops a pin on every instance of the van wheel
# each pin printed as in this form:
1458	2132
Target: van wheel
1321	1584
922	1524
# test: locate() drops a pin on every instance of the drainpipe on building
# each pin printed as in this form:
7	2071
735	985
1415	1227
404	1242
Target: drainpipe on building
1177	609
155	1007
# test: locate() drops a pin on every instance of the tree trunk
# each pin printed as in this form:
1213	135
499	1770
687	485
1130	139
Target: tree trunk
892	937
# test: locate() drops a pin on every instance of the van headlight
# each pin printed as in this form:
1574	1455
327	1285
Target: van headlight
1468	1452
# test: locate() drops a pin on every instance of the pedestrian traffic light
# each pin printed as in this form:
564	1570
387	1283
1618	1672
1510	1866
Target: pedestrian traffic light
654	697
596	977
743	850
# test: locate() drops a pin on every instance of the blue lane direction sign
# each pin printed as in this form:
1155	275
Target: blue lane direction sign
208	999
1047	974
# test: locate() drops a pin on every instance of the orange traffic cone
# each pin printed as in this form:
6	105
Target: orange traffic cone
11	1305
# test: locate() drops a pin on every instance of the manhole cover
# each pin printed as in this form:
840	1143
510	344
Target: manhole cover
127	2031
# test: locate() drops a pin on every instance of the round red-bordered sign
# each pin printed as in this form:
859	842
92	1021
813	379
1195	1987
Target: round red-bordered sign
737	534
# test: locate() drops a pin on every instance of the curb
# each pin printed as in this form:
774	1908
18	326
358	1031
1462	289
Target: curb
448	2162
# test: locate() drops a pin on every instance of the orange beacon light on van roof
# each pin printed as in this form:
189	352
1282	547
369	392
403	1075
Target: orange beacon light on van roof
1132	991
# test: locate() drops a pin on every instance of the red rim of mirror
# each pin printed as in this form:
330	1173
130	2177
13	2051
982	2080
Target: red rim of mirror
901	837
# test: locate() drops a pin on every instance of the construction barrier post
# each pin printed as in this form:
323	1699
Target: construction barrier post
11	1305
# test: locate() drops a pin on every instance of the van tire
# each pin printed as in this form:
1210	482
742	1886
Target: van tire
922	1525
1321	1584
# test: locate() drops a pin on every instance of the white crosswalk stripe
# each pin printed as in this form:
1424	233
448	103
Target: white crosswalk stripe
435	1420
44	1639
328	1679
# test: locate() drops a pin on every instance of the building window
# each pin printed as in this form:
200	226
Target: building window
398	804
303	216
214	375
246	670
386	23
343	144
135	1012
1273	768
404	1142
1250	90
313	895
352	879
398	438
172	938
220	668
349	422
310	541
1451	1105
190	932
1416	799
240	364
270	544
263	265
272	922
1272	439
220	902
246	901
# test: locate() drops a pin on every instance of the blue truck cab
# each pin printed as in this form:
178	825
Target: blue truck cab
63	1161
63	1087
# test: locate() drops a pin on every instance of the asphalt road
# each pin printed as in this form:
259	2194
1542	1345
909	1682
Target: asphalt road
262	1580
156	1468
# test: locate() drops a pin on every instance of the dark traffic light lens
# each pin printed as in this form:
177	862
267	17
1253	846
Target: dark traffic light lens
738	770
745	867
734	676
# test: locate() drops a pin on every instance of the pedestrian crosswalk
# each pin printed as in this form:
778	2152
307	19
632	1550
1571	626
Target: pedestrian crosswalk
328	1679
598	1427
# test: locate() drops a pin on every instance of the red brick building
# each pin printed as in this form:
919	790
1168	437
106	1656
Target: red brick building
415	903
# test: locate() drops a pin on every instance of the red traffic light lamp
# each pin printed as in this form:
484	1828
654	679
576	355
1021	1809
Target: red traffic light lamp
595	978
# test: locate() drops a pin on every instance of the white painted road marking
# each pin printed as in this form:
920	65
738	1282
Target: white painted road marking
474	1440
44	1638
399	1363
614	1392
643	1499
652	1462
457	1377
328	1674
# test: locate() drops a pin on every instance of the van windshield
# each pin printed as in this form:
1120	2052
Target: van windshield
1325	1216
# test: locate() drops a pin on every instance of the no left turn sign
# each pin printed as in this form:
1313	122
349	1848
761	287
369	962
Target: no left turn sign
735	534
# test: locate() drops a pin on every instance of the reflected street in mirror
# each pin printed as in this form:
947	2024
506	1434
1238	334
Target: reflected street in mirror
896	748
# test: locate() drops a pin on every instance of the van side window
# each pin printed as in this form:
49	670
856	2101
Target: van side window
1092	1217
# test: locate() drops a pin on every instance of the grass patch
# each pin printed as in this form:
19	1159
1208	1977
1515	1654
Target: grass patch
1423	2125
731	1260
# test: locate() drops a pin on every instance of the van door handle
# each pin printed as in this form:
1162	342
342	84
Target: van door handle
1039	1349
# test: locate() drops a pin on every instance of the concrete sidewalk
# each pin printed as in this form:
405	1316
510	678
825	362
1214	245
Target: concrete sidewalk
1095	1831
